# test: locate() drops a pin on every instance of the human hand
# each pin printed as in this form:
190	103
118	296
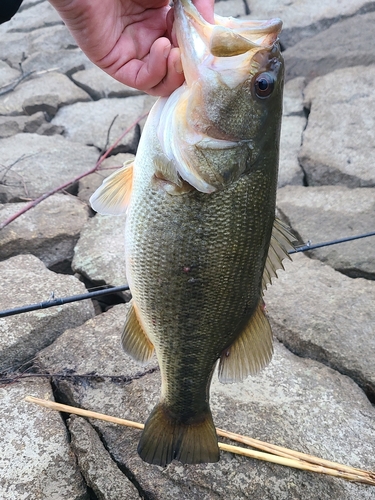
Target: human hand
129	39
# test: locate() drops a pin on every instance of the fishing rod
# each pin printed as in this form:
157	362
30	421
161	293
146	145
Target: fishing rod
99	293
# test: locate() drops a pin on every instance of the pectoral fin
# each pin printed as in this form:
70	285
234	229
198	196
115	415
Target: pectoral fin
282	240
112	197
134	340
250	352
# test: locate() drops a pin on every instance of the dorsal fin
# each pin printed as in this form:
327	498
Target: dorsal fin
134	339
113	196
250	352
281	242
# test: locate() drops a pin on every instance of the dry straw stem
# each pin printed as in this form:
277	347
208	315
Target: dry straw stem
278	455
36	202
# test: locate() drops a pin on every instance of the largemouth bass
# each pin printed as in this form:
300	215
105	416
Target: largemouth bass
201	240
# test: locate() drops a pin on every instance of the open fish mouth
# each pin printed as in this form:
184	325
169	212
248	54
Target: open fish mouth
201	43
197	121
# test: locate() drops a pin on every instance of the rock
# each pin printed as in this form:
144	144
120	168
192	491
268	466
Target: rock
232	8
26	4
40	15
321	314
290	171
89	123
7	74
10	126
51	40
293	99
304	19
89	184
99	84
292	126
32	165
64	61
94	348
36	123
337	143
27	281
36	460
297	403
49	129
14	47
100	472
324	213
47	92
342	45
100	254
49	231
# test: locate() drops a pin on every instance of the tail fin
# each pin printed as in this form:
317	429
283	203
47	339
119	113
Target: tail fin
165	439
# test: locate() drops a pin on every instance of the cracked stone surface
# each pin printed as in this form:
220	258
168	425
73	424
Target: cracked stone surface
100	471
32	165
36	460
333	154
318	393
50	231
100	252
295	402
324	213
321	314
26	281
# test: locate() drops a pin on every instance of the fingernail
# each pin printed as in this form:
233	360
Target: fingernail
178	66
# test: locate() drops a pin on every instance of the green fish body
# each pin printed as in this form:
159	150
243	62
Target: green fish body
201	237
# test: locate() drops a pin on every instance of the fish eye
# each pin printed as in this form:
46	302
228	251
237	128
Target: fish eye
264	85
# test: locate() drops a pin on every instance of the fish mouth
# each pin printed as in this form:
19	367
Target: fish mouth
206	128
201	42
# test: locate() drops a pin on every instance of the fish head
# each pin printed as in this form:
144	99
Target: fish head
216	125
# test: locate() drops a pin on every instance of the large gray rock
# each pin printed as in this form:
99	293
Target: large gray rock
344	44
232	8
7	75
303	18
27	281
101	473
293	98
338	140
100	252
52	39
290	171
49	231
89	184
292	126
11	125
63	60
32	165
47	93
295	402
36	460
319	313
324	213
40	15
89	122
94	348
99	84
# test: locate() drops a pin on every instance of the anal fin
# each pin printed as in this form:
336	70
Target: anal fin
113	196
134	340
250	352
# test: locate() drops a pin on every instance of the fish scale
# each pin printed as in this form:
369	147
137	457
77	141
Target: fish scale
200	201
